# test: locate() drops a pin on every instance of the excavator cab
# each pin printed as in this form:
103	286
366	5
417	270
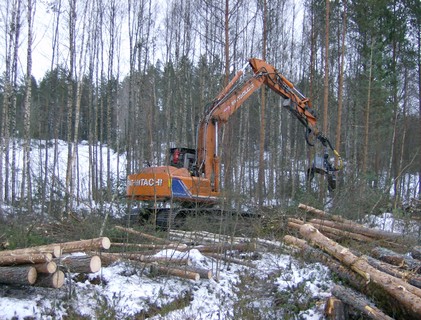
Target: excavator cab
322	165
183	158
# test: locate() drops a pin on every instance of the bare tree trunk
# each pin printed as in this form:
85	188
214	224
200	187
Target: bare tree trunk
398	179
261	175
26	170
326	77
7	97
12	115
367	114
341	80
70	100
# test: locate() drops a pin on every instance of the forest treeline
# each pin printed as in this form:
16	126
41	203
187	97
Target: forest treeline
135	77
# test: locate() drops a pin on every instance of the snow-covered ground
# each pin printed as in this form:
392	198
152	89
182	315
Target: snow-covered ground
125	290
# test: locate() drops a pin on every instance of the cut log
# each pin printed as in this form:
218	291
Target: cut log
164	259
408	295
335	309
323	214
47	267
203	273
142	234
228	259
357	228
85	245
297	226
81	264
23	275
341	233
205	236
396	259
315	255
54	280
109	258
112	257
176	246
414	279
347	275
52	249
156	269
329	231
25	258
224	247
359	302
416	252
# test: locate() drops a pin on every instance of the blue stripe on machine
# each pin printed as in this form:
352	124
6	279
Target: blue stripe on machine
179	188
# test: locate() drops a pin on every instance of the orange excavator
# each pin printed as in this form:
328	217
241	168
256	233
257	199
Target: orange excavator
192	176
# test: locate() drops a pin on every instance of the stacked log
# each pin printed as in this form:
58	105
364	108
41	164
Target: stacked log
41	265
21	275
397	259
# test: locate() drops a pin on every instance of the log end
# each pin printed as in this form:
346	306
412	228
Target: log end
32	275
106	243
95	264
57	252
51	267
57	279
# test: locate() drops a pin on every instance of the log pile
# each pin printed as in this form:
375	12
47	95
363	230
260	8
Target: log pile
45	266
390	279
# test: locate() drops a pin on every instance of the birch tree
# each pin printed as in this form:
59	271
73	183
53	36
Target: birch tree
26	170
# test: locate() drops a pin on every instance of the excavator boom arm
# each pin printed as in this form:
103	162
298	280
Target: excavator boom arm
233	97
